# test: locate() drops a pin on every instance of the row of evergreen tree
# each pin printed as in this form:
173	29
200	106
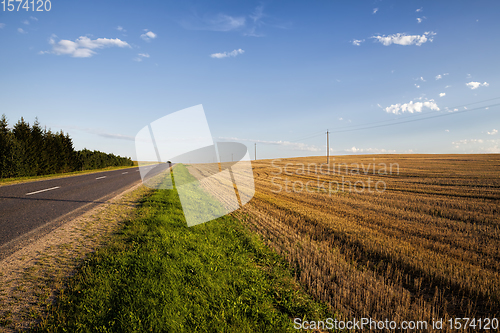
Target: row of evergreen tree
32	151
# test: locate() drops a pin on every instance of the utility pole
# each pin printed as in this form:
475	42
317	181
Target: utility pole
232	160
327	148
256	152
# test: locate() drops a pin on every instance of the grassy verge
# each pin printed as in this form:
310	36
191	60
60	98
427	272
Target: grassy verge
160	275
33	276
17	180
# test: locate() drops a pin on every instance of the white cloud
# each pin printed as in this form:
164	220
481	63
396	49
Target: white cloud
120	28
440	76
341	118
478	145
469	76
21	31
83	46
141	56
421	79
446	87
2	25
292	145
416	85
25	22
466	142
115	136
448	131
419	10
148	35
257	23
442	94
404	39
474	85
493	132
357	41
370	150
257	14
420	19
375	10
251	33
249	25
226	23
412	107
33	18
220	22
104	134
233	53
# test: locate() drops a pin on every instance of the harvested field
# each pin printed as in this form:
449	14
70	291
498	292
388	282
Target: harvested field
423	244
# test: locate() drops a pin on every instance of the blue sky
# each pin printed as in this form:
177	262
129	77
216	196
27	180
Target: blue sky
279	73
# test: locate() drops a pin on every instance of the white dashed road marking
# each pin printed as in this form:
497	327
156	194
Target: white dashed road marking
101	177
47	189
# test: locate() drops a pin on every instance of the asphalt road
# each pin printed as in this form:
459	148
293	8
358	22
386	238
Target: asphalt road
31	210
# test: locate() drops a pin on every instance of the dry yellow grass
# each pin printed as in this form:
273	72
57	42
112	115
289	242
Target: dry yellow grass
33	277
427	246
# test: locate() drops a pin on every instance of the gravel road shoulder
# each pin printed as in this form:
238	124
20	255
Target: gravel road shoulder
32	277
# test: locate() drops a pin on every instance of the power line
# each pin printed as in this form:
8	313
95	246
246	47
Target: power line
307	137
419	114
401	121
413	120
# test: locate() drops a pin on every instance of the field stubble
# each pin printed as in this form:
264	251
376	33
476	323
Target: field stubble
428	246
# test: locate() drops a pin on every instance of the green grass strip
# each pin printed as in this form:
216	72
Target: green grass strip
158	275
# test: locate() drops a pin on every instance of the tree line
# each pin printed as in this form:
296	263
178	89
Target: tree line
30	150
